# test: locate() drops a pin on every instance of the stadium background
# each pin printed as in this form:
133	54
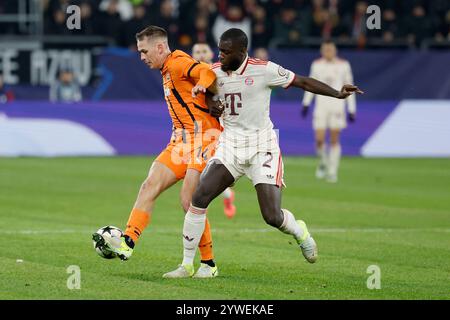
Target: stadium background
389	212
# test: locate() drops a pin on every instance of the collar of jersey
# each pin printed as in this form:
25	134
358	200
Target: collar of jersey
242	67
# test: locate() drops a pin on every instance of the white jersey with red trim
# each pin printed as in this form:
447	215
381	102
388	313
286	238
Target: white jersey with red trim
335	73
246	91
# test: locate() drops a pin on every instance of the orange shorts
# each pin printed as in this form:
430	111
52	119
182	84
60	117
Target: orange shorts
184	153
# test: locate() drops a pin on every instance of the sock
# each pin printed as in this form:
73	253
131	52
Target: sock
334	158
194	225
136	224
209	263
290	225
129	241
227	193
205	245
322	154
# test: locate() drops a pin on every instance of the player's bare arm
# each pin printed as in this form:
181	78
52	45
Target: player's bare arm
318	87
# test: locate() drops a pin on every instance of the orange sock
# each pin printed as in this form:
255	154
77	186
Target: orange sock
137	222
205	245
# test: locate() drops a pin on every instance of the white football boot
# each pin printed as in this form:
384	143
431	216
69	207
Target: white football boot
331	178
307	244
321	171
183	271
206	271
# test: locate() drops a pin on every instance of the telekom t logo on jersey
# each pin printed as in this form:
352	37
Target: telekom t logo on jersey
234	102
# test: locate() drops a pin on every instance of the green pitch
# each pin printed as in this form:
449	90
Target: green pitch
394	214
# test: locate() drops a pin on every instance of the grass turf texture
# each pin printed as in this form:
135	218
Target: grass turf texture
390	213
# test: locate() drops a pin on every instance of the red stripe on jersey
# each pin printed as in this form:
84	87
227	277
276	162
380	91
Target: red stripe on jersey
279	180
245	67
257	60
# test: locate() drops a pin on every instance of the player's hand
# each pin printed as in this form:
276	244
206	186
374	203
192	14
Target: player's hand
347	90
198	89
304	112
351	117
216	108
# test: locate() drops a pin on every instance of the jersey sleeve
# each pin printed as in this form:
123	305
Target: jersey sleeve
277	76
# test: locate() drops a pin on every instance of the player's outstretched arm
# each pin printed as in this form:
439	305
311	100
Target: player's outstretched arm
318	87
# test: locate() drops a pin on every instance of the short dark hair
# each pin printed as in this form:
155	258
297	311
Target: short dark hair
236	36
151	31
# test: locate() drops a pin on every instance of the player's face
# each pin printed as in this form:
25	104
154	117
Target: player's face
151	53
231	55
203	53
328	51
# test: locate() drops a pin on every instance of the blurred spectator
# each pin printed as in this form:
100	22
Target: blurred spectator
6	95
266	22
390	25
136	24
354	23
324	19
261	53
65	88
233	17
110	23
261	27
417	26
167	20
123	7
286	29
202	32
87	22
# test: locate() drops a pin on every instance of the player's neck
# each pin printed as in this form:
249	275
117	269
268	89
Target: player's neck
166	56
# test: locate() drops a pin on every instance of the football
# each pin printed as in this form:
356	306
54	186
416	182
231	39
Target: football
106	235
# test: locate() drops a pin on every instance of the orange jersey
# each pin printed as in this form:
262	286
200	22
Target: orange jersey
180	73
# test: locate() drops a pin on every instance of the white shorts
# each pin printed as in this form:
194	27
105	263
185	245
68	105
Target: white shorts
259	166
329	118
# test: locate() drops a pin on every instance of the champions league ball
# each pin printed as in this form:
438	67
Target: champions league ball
108	235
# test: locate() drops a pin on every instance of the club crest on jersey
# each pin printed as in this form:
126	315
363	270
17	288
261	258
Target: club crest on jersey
249	81
167	76
282	71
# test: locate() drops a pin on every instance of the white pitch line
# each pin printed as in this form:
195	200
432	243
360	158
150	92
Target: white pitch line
239	230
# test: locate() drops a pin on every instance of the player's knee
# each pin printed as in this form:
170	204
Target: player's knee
185	203
274	220
334	142
273	217
319	143
201	197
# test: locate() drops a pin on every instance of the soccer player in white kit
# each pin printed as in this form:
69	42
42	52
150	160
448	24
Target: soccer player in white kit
248	145
203	53
329	113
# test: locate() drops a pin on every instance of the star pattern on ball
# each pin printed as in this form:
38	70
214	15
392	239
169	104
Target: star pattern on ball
107	229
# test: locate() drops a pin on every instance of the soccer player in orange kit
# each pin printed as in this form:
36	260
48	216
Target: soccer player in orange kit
195	132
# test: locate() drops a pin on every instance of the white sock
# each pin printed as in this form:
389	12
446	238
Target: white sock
290	225
227	193
194	226
322	154
334	158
